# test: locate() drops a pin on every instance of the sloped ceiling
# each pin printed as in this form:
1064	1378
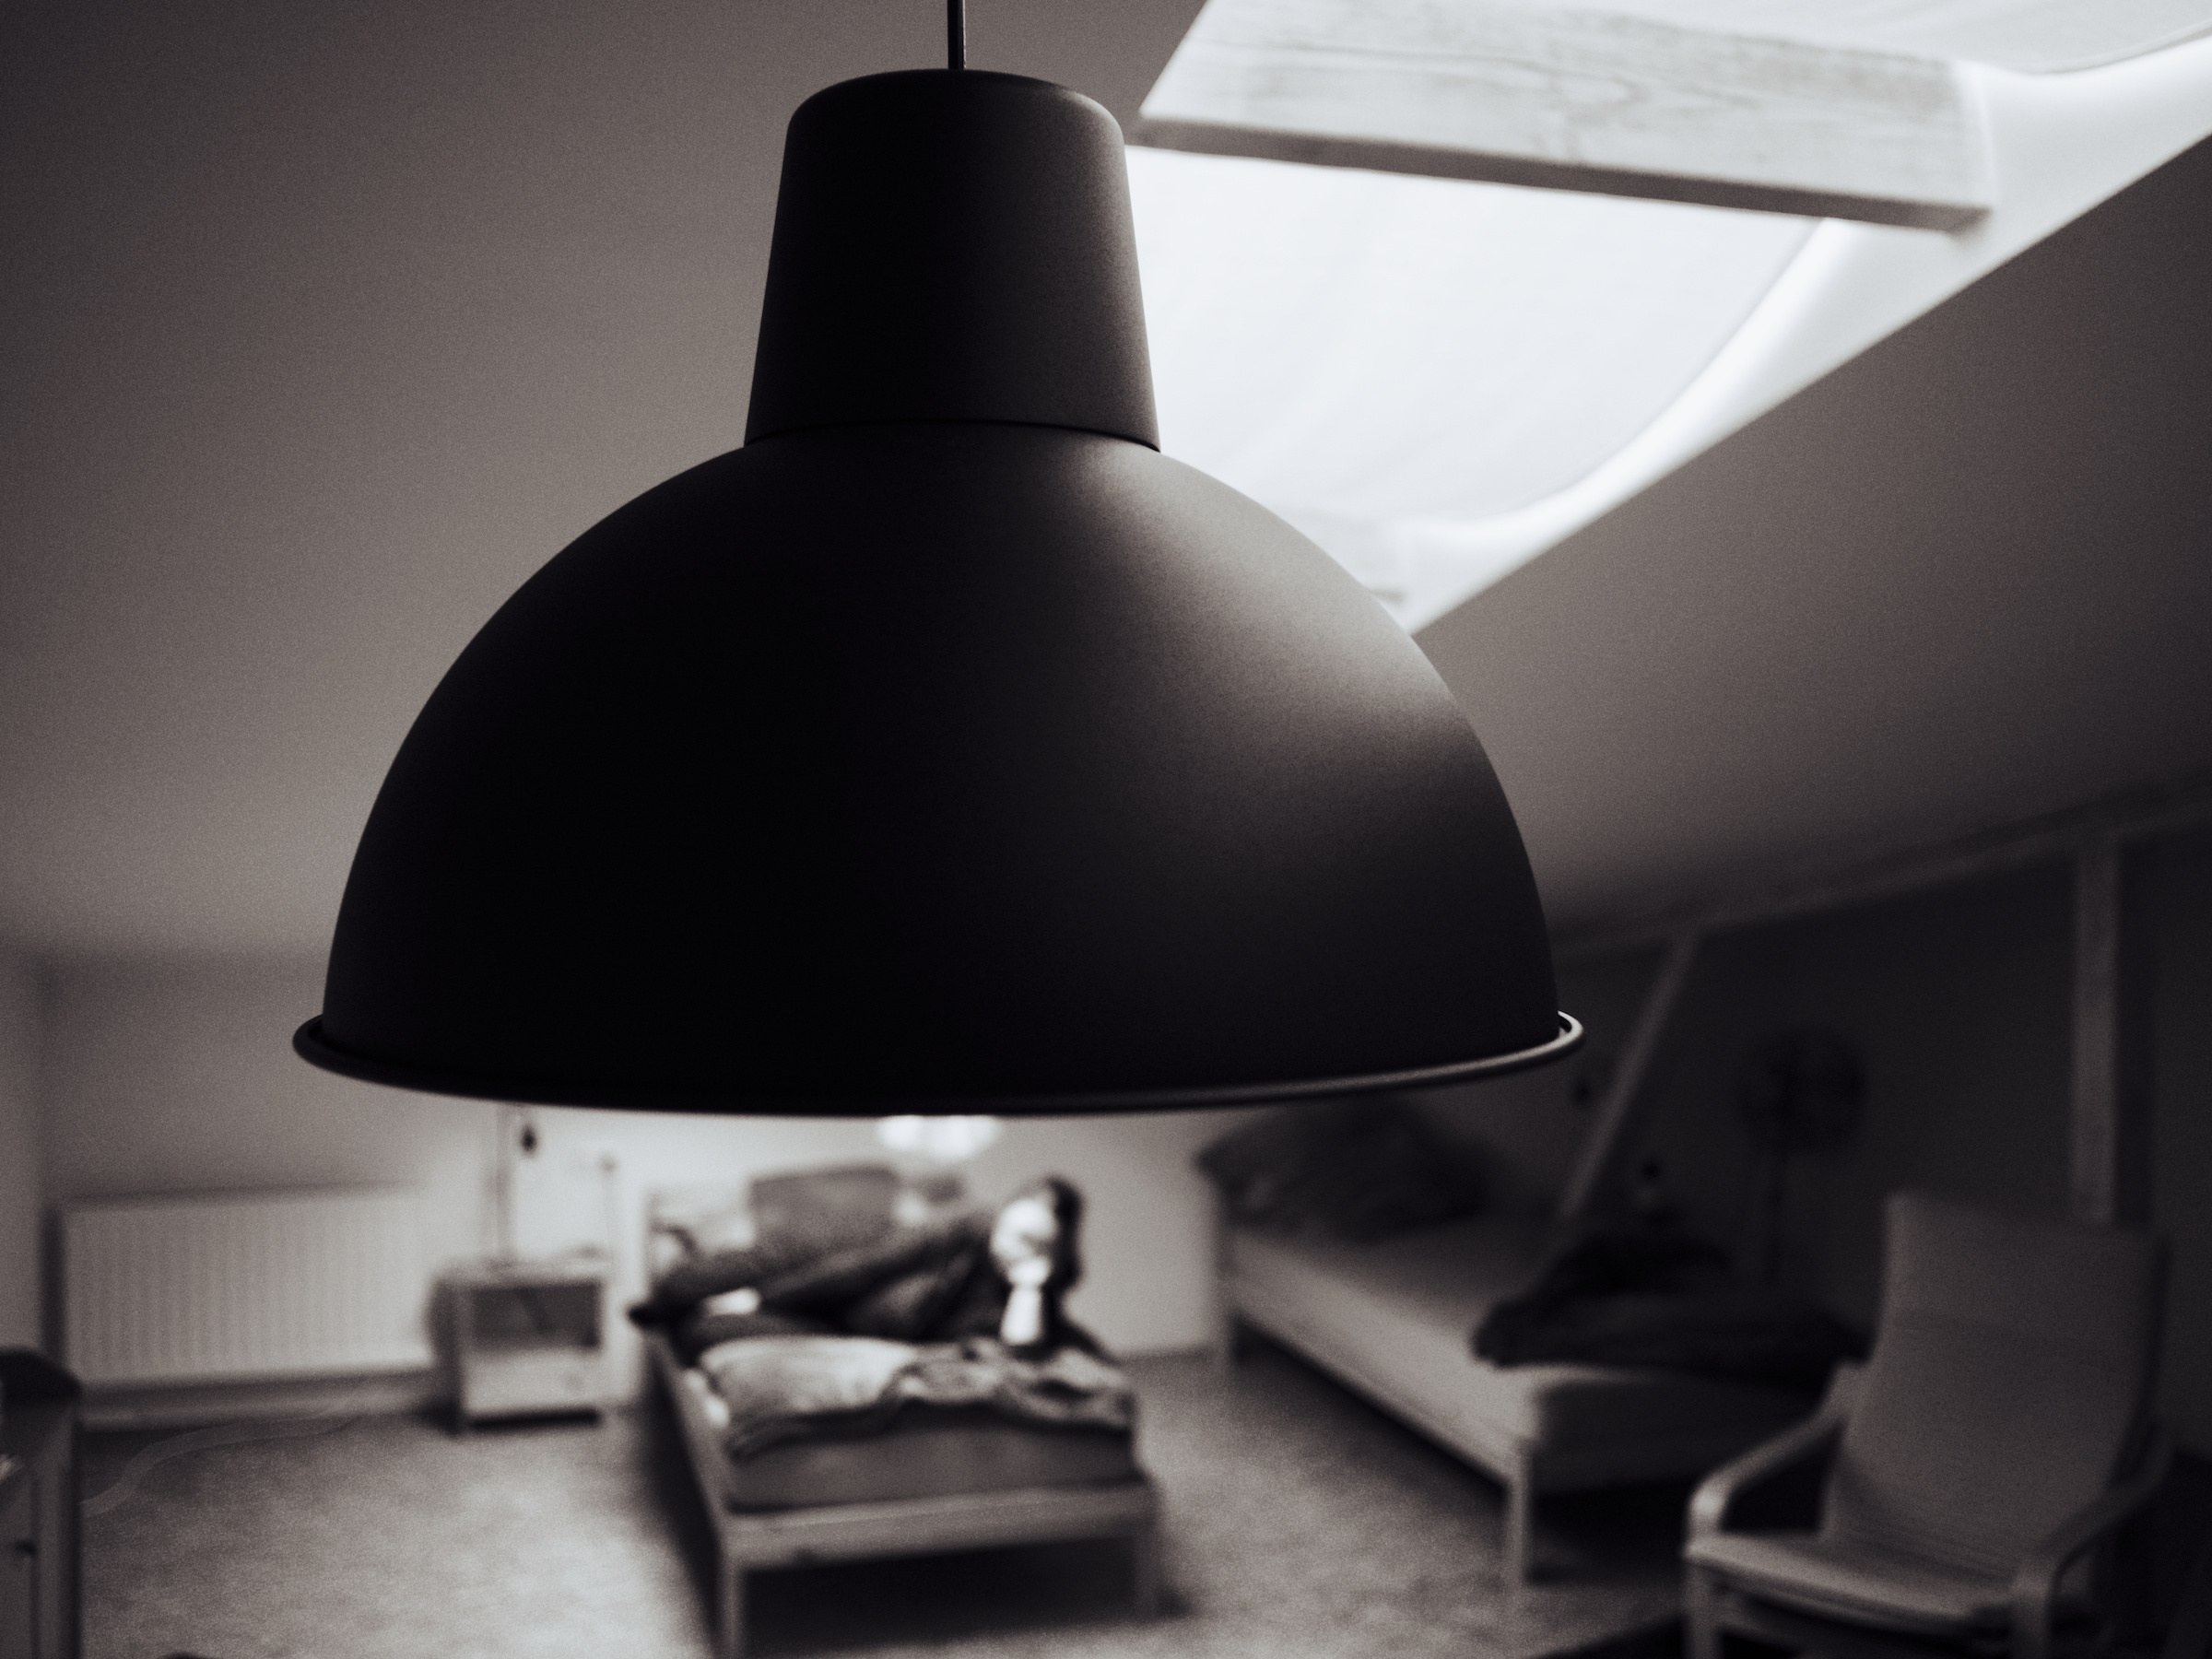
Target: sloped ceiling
327	326
1964	580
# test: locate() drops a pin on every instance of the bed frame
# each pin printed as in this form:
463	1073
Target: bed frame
748	1541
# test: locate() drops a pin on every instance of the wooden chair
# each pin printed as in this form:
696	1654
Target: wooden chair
1993	1441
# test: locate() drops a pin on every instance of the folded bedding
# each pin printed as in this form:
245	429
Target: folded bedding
1632	1297
775	1389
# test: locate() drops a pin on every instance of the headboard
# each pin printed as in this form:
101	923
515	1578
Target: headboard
837	1203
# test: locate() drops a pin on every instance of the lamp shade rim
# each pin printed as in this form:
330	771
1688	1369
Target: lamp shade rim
310	1045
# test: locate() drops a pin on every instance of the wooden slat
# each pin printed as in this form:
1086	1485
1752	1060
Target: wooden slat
2093	1118
2030	35
1612	1130
1575	101
2109	1112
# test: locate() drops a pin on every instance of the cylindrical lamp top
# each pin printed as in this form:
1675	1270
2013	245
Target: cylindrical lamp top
953	246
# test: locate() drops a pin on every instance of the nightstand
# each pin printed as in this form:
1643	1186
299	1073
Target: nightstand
527	1338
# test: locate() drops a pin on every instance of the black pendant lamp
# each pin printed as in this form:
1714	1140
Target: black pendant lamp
946	747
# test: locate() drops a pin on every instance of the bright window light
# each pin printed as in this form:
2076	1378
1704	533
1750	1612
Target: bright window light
1437	381
946	1140
1362	347
1372	355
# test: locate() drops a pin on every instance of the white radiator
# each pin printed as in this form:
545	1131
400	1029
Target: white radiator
240	1286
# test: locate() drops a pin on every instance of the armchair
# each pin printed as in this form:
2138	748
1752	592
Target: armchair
1996	1437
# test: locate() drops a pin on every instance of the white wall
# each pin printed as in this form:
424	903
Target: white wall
178	1076
18	1151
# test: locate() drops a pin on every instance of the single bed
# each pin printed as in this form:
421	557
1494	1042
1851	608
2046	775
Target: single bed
1393	1319
937	1479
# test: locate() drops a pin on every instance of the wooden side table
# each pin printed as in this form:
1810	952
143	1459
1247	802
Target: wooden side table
527	1339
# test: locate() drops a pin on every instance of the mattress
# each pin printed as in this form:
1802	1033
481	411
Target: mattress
925	1452
1396	1318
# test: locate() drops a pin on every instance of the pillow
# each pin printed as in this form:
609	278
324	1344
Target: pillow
776	1387
1356	1170
1635	1298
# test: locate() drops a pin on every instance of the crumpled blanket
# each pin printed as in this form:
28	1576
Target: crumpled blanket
1623	1297
778	1388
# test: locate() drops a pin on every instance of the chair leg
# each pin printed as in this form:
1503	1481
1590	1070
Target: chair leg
1231	1342
1701	1614
2190	1635
729	1609
1144	1546
1520	1516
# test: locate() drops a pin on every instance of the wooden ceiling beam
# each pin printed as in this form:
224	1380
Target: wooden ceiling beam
1584	99
2168	806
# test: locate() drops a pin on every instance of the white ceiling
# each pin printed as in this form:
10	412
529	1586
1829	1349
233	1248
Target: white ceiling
327	326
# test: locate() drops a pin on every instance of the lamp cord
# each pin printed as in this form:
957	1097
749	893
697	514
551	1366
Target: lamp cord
955	33
340	1414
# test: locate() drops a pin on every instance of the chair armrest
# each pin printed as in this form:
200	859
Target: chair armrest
1719	1491
2035	1585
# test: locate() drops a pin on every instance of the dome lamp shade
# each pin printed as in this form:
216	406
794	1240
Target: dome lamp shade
946	748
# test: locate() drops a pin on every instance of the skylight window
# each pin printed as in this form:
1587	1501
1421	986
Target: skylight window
1358	349
1436	379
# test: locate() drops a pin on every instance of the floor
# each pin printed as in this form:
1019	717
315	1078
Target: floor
1300	1522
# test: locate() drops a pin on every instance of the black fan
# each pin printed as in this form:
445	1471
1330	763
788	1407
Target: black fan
1799	1092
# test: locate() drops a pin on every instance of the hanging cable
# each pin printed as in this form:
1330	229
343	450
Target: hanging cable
955	33
339	1414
